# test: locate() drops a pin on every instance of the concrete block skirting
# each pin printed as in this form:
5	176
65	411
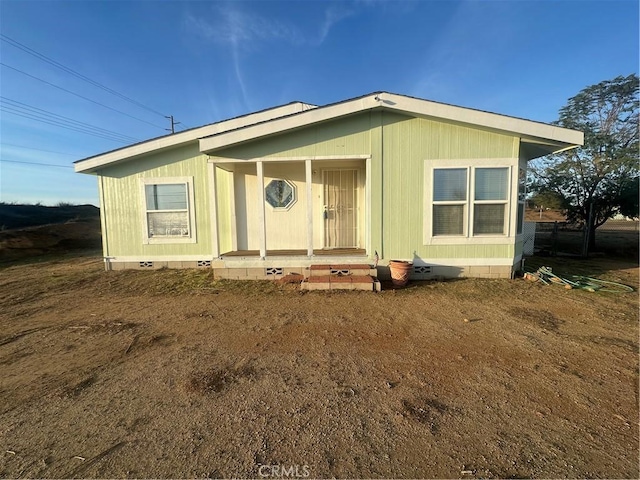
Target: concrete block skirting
156	265
446	271
221	271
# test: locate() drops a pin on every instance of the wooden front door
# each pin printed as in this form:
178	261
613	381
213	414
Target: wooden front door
340	208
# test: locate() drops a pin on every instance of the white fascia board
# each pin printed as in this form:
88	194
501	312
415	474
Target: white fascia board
192	135
489	120
400	103
484	119
278	125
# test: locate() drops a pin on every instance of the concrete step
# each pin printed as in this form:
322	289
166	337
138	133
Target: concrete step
343	269
342	282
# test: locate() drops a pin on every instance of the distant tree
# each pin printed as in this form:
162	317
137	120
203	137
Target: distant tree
629	204
597	178
549	199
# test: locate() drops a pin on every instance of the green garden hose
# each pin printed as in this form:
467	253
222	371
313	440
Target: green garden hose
590	284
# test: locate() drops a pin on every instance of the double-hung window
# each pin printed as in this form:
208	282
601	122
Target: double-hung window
490	201
467	202
449	201
522	196
168	210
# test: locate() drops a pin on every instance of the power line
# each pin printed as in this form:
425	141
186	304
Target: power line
39	149
60	118
78	95
62	126
34	113
59	65
2	160
31	110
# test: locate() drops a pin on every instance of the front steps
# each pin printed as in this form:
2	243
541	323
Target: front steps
342	277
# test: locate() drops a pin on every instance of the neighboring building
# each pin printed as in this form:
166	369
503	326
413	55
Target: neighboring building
284	188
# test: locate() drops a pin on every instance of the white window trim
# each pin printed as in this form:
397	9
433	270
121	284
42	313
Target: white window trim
294	198
188	181
468	238
522	164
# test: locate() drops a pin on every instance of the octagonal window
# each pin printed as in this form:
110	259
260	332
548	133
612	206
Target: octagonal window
280	194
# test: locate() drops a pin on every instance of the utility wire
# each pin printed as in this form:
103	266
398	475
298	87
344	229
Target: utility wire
39	149
63	126
2	160
25	108
60	118
39	111
55	122
78	95
59	65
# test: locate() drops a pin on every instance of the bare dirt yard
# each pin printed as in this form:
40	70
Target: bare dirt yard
170	374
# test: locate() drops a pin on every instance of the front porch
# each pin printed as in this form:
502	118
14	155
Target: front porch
249	265
291	211
334	252
331	274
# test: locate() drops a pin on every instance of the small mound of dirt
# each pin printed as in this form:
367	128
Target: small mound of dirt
217	380
291	278
426	411
540	318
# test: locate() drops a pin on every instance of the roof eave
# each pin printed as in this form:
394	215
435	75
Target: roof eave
531	150
94	163
290	122
402	104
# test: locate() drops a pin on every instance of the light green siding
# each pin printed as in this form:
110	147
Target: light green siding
407	143
377	121
347	136
467	251
123	206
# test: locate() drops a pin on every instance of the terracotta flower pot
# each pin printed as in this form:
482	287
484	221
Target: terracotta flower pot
400	272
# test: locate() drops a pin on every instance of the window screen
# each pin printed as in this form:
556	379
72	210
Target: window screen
491	183
450	184
448	219
488	219
166	196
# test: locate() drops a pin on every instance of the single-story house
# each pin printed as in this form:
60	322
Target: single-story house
382	176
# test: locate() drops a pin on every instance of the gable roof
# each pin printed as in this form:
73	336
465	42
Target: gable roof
538	138
543	138
91	164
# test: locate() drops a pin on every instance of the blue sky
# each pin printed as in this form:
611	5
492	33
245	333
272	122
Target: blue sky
206	61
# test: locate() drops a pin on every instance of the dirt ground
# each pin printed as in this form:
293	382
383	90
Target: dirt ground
60	238
170	374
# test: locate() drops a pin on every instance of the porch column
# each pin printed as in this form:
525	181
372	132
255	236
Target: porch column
232	207
309	187
367	213
213	202
262	226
